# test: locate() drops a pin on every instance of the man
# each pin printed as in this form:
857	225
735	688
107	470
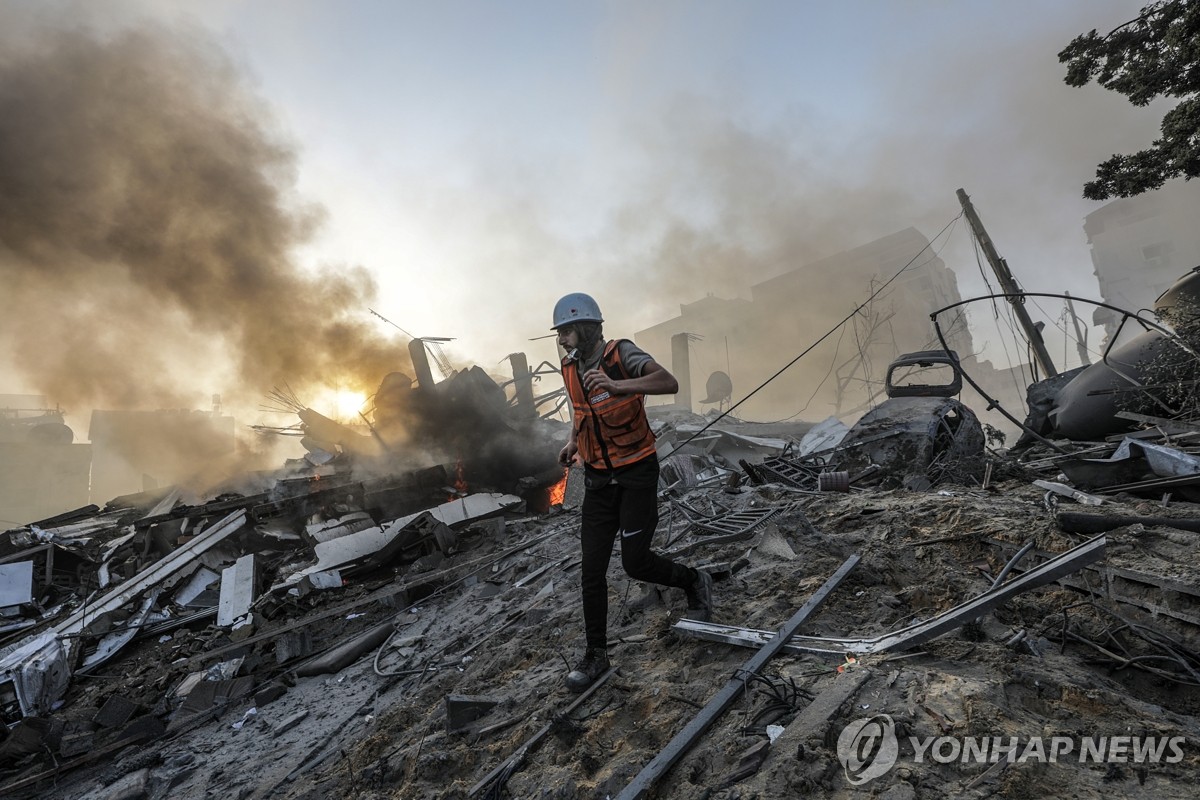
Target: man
607	383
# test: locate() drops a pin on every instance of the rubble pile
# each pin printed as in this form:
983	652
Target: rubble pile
293	643
355	626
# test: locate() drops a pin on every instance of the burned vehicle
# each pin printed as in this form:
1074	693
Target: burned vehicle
921	435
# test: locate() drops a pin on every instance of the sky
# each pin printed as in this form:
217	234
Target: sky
202	198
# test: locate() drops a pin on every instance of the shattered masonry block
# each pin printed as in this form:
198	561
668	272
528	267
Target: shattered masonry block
462	710
292	645
289	722
242	628
269	694
325	579
115	712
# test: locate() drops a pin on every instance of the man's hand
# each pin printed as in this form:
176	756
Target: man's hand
567	455
653	380
595	380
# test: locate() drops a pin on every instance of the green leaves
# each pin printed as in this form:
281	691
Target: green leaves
1156	54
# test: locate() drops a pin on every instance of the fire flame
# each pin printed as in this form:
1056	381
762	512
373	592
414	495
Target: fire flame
460	482
558	492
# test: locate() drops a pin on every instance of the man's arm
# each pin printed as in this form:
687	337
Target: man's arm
655	379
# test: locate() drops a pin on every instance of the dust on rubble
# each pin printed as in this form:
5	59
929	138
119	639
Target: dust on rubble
373	736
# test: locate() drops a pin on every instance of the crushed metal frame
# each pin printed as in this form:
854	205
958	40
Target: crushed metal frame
1126	316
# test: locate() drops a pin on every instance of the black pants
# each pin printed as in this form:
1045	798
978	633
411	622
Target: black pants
631	512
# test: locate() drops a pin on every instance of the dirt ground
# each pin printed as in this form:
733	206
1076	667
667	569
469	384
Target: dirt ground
501	622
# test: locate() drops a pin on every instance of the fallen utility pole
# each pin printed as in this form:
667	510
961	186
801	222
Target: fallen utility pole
1009	285
677	747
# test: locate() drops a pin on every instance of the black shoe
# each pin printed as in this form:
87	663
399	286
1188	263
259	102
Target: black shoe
700	599
593	665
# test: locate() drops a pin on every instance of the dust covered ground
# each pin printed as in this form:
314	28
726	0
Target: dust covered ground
501	620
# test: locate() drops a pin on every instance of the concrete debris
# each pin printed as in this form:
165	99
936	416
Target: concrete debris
325	530
289	722
825	435
1071	561
403	629
238	590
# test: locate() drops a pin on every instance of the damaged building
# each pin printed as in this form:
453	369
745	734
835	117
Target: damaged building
42	468
1140	245
727	335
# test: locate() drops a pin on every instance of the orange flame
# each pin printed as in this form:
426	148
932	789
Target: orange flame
558	492
460	481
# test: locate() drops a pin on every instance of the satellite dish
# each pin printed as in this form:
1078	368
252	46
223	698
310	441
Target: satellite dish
719	388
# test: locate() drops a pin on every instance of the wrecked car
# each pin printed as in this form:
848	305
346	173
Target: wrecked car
920	436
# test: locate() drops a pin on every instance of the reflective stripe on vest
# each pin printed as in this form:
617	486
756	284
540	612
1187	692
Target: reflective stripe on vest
611	430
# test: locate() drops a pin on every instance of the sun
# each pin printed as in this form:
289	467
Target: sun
348	403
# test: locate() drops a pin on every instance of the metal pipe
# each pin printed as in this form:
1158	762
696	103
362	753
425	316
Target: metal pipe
678	746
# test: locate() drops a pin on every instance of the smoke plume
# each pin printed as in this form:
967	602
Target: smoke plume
147	232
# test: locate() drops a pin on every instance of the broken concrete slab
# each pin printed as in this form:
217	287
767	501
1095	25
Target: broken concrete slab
468	509
208	694
189	593
325	530
289	722
146	728
316	581
269	694
239	584
362	544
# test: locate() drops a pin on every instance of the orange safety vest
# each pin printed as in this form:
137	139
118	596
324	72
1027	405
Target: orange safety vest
611	430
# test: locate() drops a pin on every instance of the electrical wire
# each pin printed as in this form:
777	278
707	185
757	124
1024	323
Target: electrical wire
863	356
824	336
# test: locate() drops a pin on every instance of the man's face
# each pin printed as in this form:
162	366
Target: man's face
568	337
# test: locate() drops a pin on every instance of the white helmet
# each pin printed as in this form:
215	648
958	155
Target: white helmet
575	307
